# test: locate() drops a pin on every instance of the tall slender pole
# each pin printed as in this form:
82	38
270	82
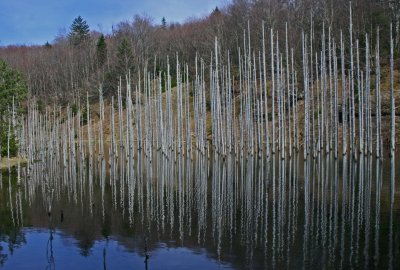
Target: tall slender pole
392	100
344	99
273	91
265	93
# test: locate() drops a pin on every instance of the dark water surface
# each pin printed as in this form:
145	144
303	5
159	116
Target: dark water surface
234	213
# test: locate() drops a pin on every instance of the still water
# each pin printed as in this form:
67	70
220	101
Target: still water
231	213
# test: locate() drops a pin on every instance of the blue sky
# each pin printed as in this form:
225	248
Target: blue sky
37	21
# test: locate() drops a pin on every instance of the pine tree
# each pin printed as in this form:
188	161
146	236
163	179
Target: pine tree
79	31
163	23
125	57
47	45
12	89
216	12
101	51
11	85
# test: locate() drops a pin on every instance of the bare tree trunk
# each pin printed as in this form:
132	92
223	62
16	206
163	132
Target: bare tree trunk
378	98
392	99
344	98
265	93
352	118
273	91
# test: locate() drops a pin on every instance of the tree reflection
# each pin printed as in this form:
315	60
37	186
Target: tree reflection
3	257
252	211
10	232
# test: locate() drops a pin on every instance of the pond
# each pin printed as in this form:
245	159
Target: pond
207	213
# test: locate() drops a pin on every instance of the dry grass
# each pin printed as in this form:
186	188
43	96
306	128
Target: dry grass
13	162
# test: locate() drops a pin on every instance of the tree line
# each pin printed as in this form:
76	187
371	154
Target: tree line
83	59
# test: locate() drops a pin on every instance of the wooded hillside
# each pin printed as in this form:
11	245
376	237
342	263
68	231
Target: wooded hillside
83	59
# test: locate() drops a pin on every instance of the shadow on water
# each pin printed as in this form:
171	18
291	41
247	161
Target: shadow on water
232	212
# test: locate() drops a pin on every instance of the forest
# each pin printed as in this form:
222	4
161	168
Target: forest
80	60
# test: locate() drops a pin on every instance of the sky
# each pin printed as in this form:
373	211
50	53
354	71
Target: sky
33	22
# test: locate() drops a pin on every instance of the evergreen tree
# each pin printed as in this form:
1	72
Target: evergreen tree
216	11
79	31
163	23
125	57
12	86
101	51
47	45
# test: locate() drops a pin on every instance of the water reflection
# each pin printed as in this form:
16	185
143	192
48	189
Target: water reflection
244	212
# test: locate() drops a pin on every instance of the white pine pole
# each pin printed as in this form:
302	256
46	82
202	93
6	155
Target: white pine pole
283	125
318	104
336	120
330	89
278	91
360	101
261	105
265	94
378	98
351	87
344	99
289	88
392	99
287	84
368	90
311	68
273	91
305	84
293	102
296	112
89	130
325	97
